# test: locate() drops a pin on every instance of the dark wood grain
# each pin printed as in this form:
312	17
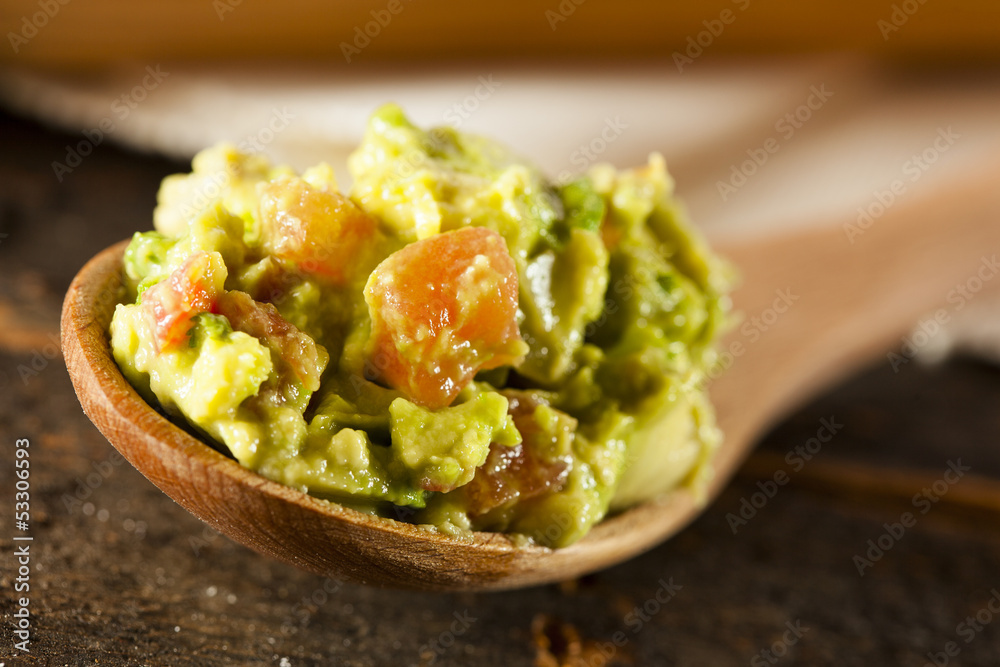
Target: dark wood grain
123	576
834	306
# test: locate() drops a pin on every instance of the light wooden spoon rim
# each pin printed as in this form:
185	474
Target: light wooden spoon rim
154	445
827	305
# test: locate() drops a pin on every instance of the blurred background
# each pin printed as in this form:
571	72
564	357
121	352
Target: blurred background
436	30
566	83
773	115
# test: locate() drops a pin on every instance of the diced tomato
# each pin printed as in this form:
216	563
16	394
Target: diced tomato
442	309
294	349
191	289
322	232
520	472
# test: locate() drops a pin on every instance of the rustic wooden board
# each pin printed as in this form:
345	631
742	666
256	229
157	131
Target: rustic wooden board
122	575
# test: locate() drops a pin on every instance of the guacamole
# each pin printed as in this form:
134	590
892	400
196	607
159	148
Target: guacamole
454	341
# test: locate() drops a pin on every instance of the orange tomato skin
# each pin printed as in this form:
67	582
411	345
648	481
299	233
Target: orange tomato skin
442	309
171	304
322	232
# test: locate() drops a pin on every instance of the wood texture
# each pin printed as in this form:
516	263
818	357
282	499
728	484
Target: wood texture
845	303
110	31
124	576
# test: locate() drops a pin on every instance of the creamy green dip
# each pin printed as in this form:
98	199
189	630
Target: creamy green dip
456	341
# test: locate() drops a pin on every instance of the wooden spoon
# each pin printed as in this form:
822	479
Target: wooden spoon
843	303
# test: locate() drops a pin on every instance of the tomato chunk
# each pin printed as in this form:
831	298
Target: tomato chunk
442	309
191	289
322	232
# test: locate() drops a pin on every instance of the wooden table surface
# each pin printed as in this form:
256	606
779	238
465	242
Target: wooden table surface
120	575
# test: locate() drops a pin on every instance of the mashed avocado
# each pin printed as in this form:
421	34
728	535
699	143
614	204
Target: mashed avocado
455	341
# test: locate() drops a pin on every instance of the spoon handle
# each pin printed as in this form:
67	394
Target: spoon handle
821	302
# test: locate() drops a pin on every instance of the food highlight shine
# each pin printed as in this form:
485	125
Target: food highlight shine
456	340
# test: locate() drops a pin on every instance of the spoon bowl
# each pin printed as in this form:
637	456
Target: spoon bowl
814	308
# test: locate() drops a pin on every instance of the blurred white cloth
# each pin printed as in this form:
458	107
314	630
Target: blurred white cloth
755	147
